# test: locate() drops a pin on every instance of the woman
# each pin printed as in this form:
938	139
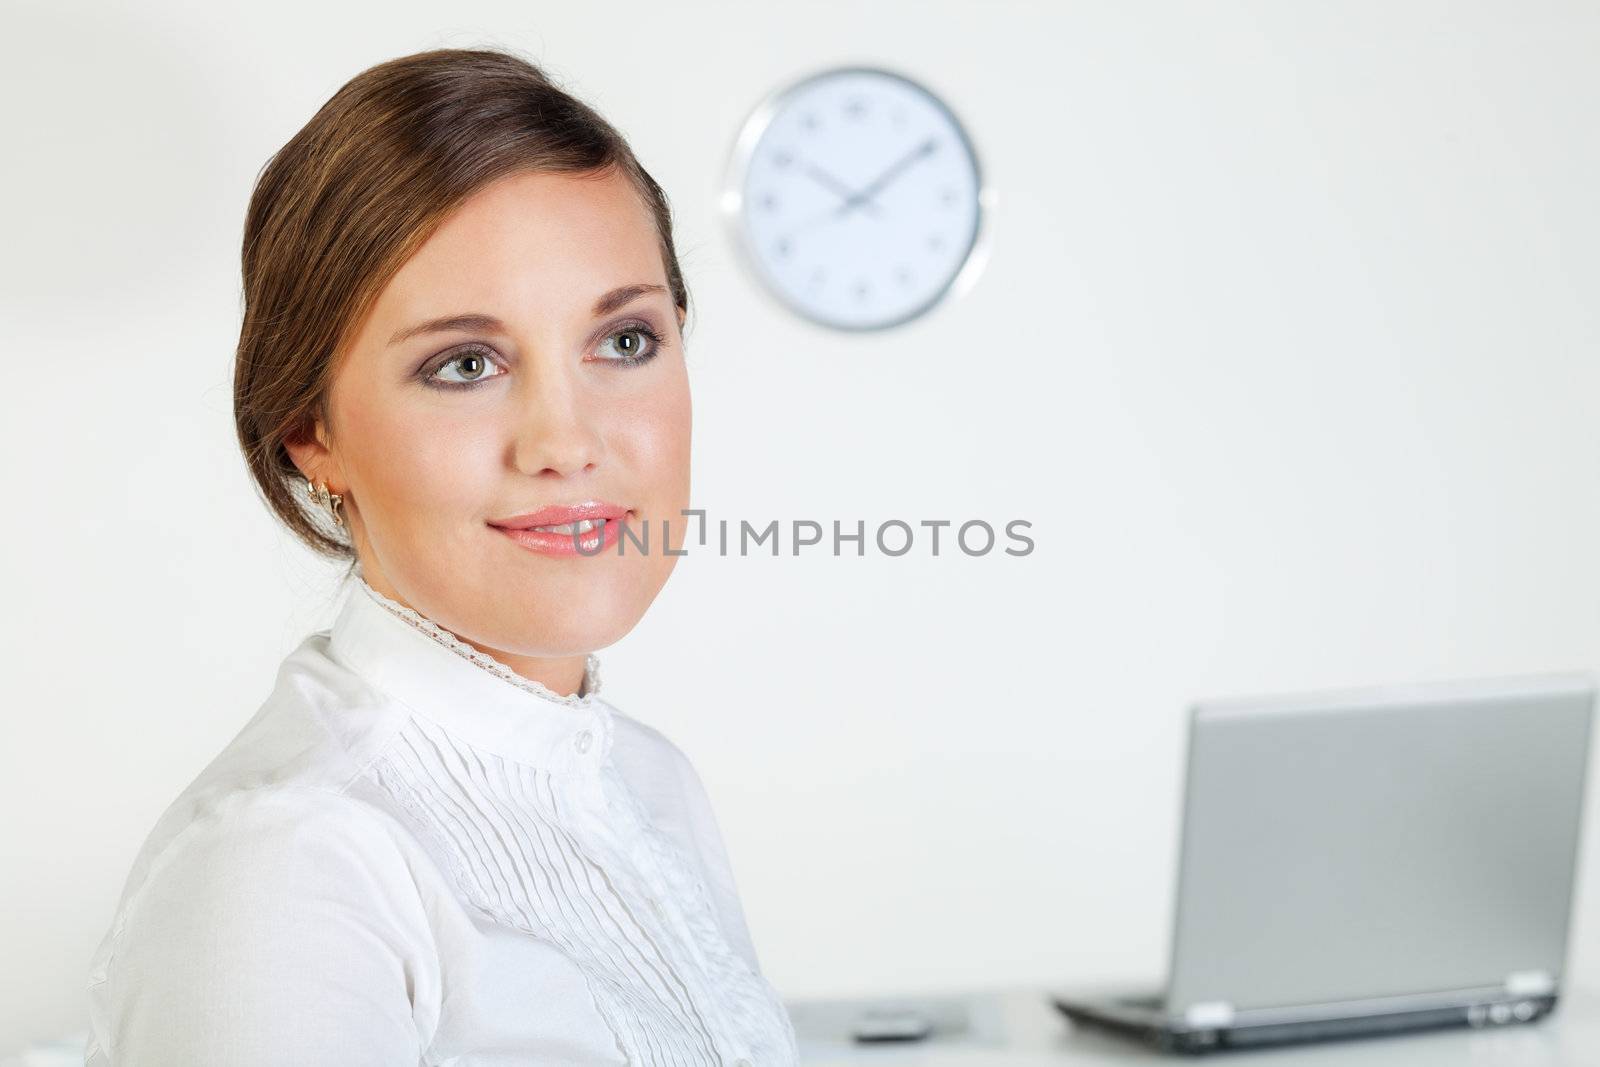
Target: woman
461	369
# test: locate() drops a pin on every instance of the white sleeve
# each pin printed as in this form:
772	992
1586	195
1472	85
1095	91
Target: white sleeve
283	928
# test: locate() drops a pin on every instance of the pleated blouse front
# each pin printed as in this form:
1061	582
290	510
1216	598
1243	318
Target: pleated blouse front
412	854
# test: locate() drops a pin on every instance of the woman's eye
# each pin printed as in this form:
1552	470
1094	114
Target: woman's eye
635	344
475	367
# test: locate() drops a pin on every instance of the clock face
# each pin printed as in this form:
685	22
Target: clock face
857	199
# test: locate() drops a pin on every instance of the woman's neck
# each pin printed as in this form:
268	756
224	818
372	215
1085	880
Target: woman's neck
569	677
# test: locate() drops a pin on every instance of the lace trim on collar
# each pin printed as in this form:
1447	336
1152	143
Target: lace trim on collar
582	698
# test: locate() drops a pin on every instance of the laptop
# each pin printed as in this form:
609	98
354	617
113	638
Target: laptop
1368	861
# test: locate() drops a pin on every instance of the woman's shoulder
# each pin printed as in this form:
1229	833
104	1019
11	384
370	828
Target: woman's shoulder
288	788
319	729
273	821
265	907
260	846
642	740
657	768
322	724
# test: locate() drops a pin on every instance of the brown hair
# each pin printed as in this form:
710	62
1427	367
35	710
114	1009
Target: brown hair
339	208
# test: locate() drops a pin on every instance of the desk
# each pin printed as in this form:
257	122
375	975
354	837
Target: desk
1019	1027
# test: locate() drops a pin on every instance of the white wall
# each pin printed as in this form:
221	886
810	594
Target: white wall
1286	348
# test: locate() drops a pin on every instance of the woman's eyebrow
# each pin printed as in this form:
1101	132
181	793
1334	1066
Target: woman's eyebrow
617	297
473	321
489	324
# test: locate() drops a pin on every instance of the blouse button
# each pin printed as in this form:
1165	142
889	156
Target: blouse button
581	742
741	1062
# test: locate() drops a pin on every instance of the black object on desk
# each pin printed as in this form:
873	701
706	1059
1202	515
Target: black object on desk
891	1024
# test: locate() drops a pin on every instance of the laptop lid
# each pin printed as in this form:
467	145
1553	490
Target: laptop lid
1358	845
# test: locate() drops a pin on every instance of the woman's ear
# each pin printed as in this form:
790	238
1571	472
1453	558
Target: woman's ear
312	456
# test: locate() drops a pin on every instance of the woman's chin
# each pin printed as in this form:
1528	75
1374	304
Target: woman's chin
561	626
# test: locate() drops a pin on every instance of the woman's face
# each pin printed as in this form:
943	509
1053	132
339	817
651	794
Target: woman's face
437	432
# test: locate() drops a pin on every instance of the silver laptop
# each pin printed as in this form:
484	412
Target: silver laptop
1367	861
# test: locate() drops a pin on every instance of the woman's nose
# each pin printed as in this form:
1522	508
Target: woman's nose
556	429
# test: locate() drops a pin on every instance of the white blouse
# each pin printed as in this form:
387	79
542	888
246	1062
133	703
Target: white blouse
413	855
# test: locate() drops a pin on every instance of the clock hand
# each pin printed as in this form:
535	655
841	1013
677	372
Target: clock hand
865	195
813	222
831	182
856	198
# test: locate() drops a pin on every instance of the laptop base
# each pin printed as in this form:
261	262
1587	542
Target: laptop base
1140	1019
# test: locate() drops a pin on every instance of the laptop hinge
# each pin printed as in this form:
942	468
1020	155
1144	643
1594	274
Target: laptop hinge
1529	984
1208	1014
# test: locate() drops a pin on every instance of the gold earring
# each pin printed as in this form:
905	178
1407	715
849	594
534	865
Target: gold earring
328	501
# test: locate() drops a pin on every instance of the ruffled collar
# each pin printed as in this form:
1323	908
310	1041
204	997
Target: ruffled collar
471	694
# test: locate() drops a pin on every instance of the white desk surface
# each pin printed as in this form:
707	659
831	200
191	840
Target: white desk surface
1019	1027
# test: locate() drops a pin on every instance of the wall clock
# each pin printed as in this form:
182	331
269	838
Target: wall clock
856	198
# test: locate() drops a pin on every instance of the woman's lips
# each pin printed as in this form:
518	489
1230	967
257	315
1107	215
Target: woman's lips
602	538
557	514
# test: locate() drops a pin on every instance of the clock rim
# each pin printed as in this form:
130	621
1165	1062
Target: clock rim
736	169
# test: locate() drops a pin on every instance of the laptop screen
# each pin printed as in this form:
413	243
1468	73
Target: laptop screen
1379	843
